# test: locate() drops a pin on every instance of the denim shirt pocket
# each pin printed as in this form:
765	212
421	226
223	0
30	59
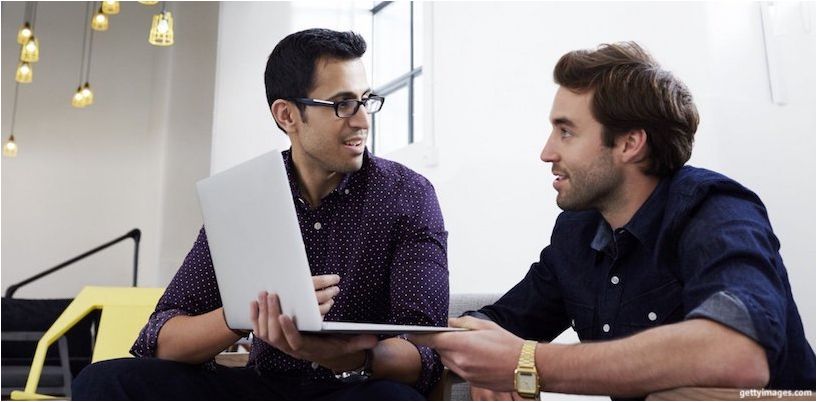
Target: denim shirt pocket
658	306
581	319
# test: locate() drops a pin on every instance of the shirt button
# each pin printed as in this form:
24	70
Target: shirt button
614	280
346	191
652	316
573	323
318	226
606	328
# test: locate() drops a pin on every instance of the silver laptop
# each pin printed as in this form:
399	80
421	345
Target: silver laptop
256	245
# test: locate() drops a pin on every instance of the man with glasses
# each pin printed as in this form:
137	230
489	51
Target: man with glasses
375	242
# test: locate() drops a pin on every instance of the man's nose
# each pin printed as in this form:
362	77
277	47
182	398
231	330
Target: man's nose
360	119
549	152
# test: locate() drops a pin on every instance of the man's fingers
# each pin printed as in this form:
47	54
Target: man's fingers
325	307
326	294
439	341
470	323
273	312
361	342
325	281
254	316
263	330
290	332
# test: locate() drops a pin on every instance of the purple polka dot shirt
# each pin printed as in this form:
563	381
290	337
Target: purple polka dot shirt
381	230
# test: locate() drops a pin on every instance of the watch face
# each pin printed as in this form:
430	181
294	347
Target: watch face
526	382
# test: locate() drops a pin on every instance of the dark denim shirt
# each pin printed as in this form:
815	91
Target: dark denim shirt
700	246
381	230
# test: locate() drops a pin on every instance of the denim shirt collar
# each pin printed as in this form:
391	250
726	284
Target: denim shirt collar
644	225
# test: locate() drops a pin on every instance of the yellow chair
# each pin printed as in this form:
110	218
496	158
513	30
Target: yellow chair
124	312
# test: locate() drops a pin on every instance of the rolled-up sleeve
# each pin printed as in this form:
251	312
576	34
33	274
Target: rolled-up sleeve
733	273
419	274
192	291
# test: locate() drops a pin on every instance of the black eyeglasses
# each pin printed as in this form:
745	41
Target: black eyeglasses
348	107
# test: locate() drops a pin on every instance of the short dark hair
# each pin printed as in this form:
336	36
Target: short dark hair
290	71
631	91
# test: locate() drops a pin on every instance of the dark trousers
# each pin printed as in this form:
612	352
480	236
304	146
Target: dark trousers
155	379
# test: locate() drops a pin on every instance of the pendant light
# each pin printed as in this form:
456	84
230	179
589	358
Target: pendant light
161	30
24	33
10	147
100	21
84	96
25	73
30	49
110	7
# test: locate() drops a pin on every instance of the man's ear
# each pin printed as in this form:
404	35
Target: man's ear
285	114
633	146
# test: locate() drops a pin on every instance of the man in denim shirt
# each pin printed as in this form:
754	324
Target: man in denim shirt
673	272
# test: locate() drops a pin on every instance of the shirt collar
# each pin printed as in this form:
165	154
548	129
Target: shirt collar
644	225
646	222
347	181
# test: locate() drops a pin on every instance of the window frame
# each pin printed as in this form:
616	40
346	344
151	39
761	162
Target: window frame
406	80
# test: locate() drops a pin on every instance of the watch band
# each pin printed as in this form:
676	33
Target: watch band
359	374
526	378
527	359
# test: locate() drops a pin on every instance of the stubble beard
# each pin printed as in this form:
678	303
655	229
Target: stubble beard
590	188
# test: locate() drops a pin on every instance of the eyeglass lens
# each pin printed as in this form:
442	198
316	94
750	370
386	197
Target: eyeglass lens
349	107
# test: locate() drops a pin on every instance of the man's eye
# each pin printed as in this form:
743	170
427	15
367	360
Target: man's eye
564	133
347	104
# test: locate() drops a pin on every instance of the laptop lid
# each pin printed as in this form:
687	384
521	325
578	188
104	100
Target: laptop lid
255	241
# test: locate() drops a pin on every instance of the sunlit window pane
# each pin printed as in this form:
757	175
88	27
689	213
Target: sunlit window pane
418	34
391	43
418	108
391	123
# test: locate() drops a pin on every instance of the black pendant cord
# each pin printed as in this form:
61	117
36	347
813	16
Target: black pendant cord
14	108
27	14
90	51
85	28
33	14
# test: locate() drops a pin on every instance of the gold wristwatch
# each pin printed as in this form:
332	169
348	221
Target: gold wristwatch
525	377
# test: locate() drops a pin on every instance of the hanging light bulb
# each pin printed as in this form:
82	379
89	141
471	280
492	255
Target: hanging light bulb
78	100
10	149
110	7
24	33
87	94
161	31
100	21
148	3
24	73
30	51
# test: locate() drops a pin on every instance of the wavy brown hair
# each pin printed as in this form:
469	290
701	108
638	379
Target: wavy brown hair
631	91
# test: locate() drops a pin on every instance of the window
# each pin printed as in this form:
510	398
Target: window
396	45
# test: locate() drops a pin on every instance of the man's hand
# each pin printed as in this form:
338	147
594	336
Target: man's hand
335	352
486	356
326	289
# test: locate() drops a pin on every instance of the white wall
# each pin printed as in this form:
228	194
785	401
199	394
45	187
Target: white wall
85	176
495	193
